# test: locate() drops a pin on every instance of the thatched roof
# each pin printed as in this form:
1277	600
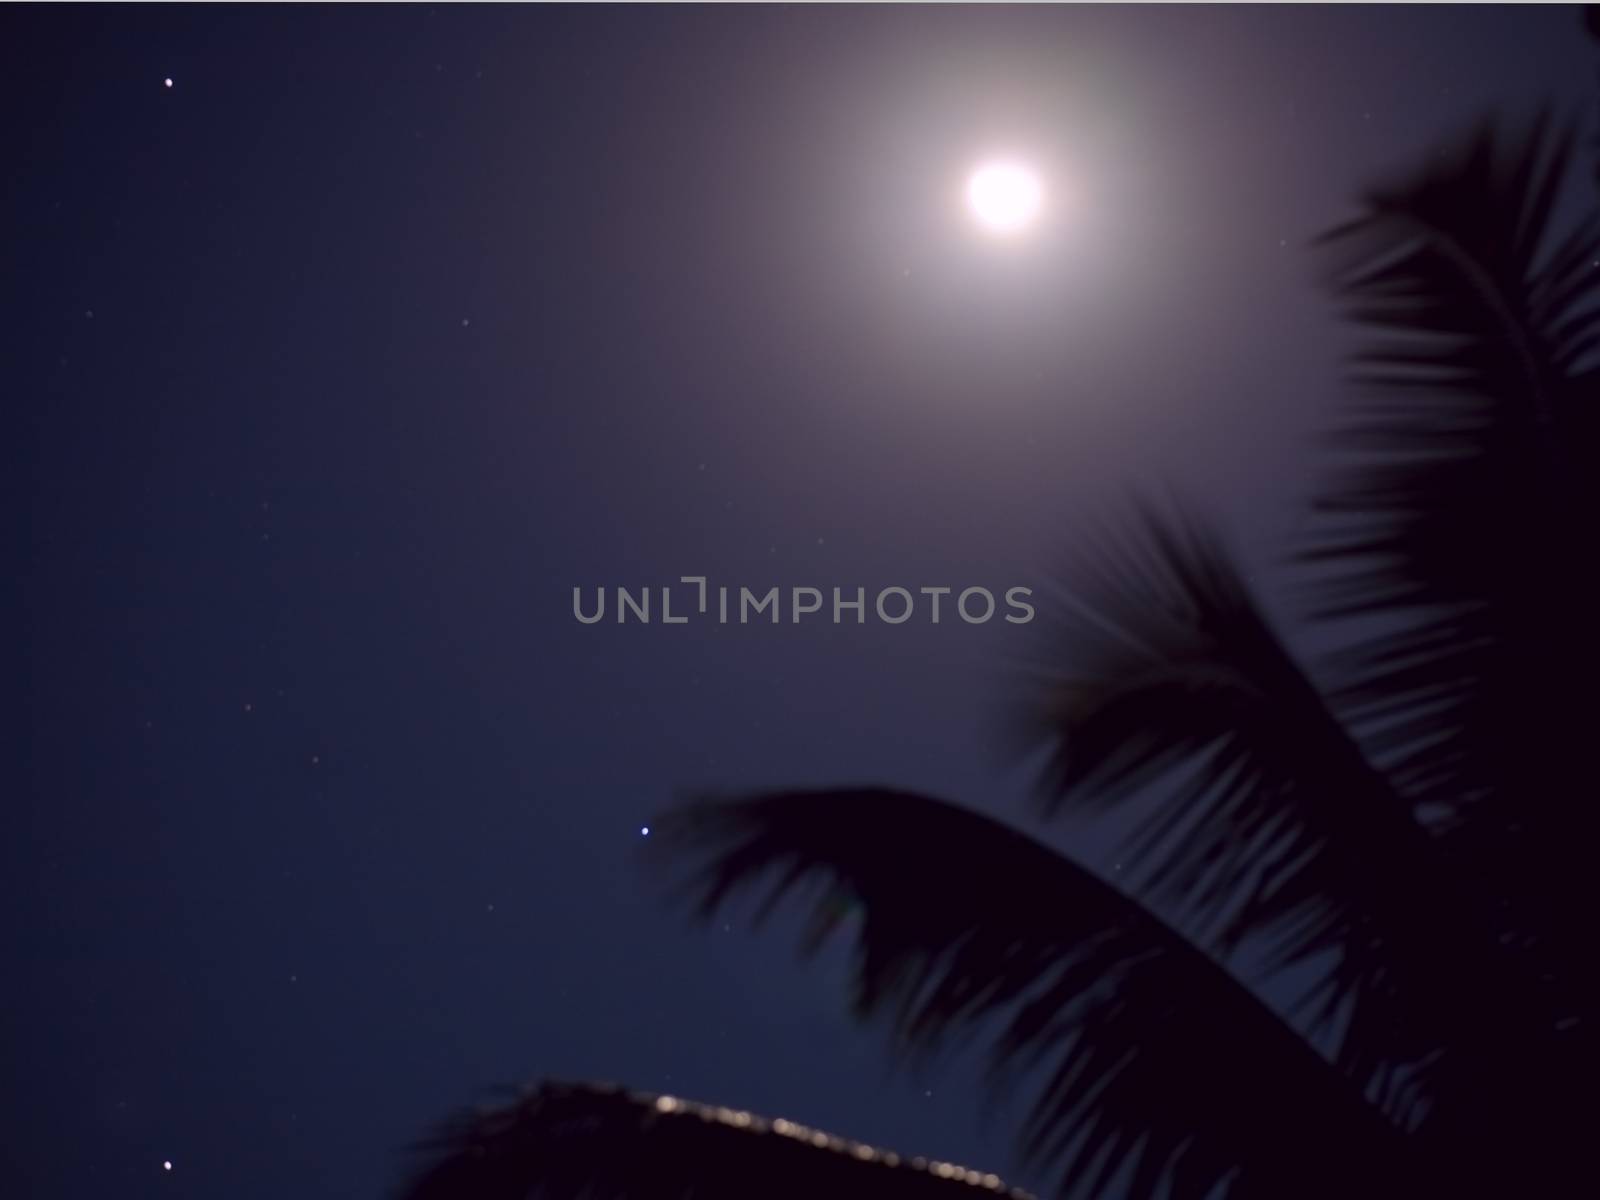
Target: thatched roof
570	1140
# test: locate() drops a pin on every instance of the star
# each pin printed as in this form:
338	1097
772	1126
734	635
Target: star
644	831
166	1164
168	83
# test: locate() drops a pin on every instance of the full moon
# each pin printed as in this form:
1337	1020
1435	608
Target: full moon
1005	197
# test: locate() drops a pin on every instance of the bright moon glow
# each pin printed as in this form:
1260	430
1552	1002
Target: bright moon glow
1004	197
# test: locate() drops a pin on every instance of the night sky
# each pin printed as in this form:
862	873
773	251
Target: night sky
334	366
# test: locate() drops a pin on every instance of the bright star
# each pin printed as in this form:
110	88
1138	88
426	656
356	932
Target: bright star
168	82
644	831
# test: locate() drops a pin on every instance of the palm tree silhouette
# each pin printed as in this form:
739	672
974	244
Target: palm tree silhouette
1399	819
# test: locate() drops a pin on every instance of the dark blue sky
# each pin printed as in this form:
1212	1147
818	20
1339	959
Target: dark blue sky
334	367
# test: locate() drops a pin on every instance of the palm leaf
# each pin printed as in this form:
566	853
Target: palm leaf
1164	686
1453	531
966	925
1264	822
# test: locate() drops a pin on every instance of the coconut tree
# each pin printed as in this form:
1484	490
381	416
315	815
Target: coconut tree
1396	818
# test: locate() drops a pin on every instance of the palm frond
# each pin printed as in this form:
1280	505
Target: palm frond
564	1140
1264	820
963	924
1163	686
1455	530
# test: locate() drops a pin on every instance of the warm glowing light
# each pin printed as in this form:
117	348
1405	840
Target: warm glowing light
1005	197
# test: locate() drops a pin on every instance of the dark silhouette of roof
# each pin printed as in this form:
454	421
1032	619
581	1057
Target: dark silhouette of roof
568	1139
